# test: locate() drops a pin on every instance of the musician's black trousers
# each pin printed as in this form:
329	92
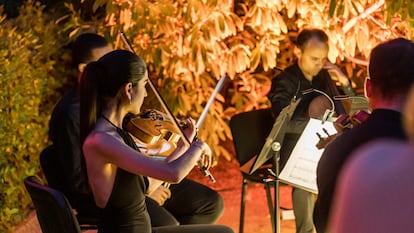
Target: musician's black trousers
190	203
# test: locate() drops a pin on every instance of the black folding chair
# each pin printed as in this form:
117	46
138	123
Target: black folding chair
53	210
249	131
52	170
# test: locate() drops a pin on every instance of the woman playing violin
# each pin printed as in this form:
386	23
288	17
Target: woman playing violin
118	173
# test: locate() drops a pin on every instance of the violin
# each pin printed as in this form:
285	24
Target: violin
342	123
153	129
323	107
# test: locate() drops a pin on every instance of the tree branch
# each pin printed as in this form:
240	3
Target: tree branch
374	7
356	60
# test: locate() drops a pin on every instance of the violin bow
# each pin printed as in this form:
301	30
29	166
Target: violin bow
210	101
166	108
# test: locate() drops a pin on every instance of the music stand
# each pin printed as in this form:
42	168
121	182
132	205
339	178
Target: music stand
271	149
273	141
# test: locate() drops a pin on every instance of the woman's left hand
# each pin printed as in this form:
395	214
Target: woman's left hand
160	195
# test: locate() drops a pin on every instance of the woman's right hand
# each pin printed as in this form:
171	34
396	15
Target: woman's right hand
206	159
190	130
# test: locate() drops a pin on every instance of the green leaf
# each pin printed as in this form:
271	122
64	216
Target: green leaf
410	9
332	7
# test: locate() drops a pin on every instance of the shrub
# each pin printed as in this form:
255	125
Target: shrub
30	53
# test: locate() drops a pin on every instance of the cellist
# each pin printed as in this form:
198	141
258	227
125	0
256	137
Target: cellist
309	72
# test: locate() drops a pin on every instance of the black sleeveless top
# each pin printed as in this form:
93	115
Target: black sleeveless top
125	211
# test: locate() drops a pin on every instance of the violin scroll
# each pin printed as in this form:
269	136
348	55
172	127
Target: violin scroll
348	122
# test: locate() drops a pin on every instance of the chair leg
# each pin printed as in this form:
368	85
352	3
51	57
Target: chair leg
242	205
270	205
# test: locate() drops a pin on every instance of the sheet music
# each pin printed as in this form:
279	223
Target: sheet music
300	169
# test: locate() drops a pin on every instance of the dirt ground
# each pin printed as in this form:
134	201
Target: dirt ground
257	217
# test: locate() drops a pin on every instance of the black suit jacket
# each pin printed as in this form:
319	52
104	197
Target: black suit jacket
382	123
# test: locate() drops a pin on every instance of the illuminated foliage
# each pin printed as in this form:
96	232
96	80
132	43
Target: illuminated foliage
189	45
28	79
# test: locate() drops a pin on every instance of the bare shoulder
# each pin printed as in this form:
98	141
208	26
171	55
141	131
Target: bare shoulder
98	138
106	143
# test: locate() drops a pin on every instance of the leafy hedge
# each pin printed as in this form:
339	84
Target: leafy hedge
30	75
